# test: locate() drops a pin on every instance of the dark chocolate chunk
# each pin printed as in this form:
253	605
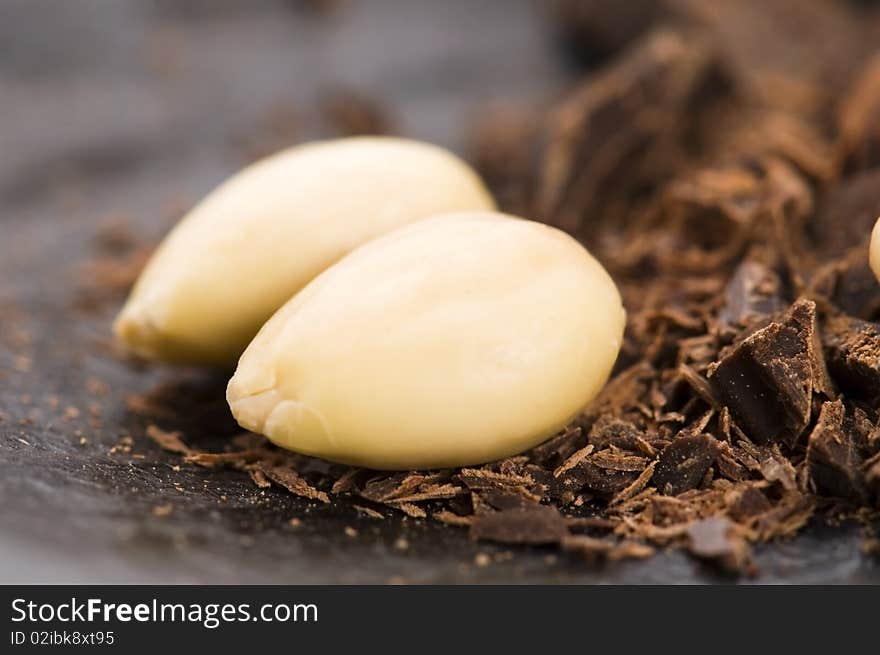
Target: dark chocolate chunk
768	380
754	291
852	350
684	462
833	463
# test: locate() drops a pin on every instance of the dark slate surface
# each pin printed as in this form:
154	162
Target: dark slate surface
137	109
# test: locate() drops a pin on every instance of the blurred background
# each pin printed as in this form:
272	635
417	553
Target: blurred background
97	84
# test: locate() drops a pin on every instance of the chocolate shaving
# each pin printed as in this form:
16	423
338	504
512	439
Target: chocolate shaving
533	524
573	460
637	486
292	481
591	548
170	441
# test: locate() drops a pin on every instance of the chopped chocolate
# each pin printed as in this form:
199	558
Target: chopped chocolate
683	463
590	477
768	380
238	459
411	510
259	478
848	211
533	524
595	29
573	460
426	492
729	468
170	441
591	548
859	119
745	503
799	66
857	292
292	481
348	481
637	486
852	348
717	539
351	113
450	518
616	461
833	463
754	291
605	134
789	514
615	432
370	512
777	469
872	478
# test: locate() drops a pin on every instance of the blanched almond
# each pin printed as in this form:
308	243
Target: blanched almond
457	340
265	233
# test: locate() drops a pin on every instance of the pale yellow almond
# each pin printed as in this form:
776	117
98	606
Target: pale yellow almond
457	340
265	233
874	251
